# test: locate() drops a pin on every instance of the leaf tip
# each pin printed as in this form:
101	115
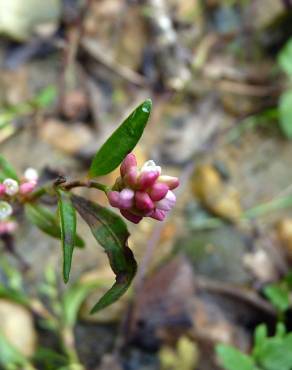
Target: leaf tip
66	278
95	309
147	106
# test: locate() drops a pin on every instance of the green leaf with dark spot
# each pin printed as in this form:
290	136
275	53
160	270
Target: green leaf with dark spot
121	142
47	222
112	234
67	216
6	170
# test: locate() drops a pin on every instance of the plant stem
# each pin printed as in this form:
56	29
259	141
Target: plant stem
66	185
68	342
87	184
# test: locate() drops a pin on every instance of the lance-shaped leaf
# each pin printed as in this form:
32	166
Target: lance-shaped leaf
6	170
67	216
121	142
112	234
47	222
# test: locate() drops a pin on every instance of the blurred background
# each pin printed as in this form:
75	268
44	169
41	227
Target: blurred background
220	76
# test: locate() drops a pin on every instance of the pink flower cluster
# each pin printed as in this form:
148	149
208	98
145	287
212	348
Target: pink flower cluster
10	187
143	192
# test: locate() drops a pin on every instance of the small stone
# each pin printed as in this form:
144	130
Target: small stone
16	323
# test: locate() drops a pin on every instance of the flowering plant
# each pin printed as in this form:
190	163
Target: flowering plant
137	193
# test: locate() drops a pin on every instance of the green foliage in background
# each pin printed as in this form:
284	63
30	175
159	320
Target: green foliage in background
285	101
268	353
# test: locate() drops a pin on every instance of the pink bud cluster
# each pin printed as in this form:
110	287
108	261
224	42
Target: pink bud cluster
10	187
142	192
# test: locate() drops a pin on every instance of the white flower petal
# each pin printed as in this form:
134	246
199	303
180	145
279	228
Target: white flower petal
150	166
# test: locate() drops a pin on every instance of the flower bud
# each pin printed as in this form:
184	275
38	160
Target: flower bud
130	178
143	201
131	216
114	198
5	210
31	175
158	191
147	179
170	181
27	187
126	199
11	187
128	163
150	166
167	202
158	214
2	189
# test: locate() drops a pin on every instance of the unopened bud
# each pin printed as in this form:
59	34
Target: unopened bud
167	202
11	187
131	216
31	175
126	198
27	187
150	166
2	189
128	163
5	210
143	201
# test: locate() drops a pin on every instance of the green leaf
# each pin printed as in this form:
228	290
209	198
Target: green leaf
13	295
232	359
288	280
6	170
285	58
45	97
280	330
121	142
275	353
9	356
278	295
67	215
112	234
47	222
261	334
285	113
73	299
49	359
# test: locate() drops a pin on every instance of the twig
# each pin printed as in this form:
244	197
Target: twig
95	51
239	88
172	68
243	294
